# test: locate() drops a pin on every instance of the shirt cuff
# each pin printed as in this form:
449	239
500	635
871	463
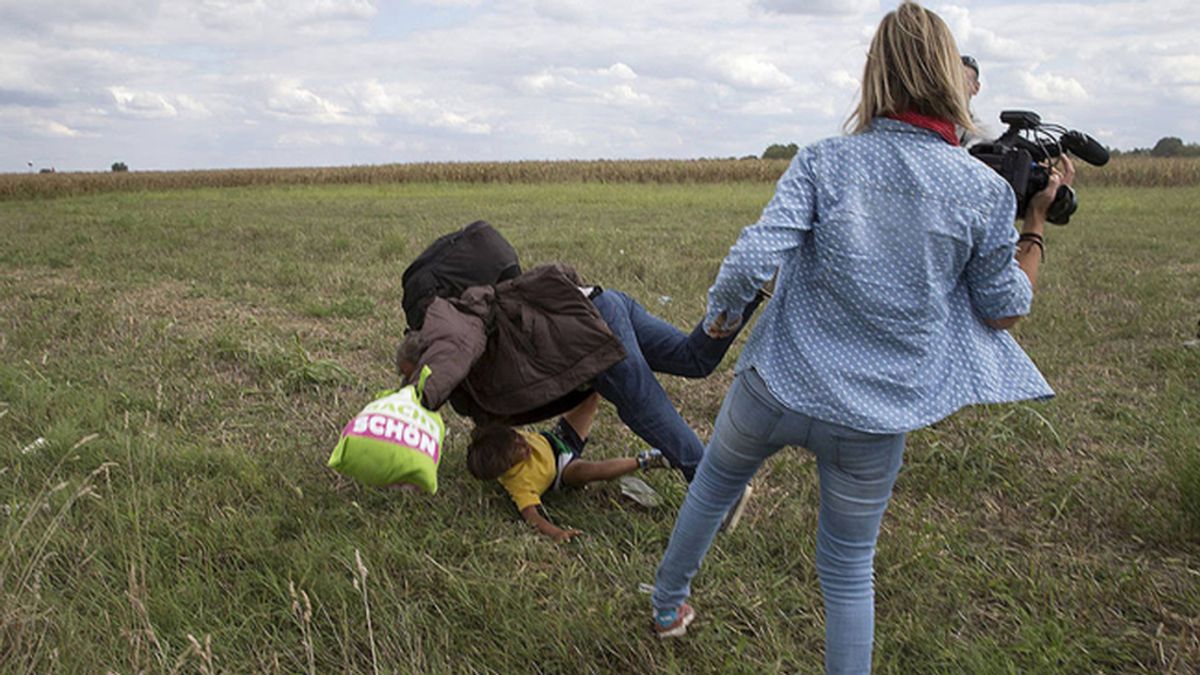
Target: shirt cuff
711	317
1016	303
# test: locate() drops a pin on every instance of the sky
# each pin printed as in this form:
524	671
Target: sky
205	84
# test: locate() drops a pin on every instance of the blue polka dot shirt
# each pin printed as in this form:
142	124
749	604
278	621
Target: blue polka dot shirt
892	246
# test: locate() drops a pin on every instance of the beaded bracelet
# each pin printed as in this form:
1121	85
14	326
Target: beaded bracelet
1034	238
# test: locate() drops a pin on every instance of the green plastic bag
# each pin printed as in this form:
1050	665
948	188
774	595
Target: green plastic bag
393	441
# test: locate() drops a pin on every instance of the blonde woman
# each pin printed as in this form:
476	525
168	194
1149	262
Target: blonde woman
899	270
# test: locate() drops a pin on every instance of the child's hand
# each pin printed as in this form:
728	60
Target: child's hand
563	536
534	516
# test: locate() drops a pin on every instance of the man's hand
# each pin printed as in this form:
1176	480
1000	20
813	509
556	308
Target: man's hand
720	329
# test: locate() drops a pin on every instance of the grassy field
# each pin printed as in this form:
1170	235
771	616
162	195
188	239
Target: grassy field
190	356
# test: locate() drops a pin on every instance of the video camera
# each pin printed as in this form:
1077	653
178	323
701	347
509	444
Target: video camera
1019	153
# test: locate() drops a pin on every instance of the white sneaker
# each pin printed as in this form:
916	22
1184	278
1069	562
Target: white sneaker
734	516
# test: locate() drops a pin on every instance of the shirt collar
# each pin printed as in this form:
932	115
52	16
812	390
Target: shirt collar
917	123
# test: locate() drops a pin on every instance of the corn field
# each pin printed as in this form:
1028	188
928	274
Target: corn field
1122	171
18	186
1143	172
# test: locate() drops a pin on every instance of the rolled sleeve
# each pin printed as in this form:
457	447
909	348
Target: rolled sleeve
999	288
760	248
455	342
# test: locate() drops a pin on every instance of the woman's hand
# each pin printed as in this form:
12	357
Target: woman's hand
1030	253
1064	174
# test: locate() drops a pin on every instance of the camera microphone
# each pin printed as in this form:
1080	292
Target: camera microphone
1085	147
1020	156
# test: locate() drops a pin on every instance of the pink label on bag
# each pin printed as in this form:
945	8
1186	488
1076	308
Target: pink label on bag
392	430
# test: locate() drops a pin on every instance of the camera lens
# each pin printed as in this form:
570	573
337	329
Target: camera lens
1063	206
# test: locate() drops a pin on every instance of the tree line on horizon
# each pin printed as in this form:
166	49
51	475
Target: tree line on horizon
1167	146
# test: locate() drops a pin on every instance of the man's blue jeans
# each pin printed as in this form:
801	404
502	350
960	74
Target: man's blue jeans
655	346
856	472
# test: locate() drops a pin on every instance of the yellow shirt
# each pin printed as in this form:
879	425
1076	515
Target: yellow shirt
529	478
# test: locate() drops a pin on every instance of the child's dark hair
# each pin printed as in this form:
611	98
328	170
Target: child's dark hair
491	451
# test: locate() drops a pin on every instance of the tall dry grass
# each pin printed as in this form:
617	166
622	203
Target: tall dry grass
21	186
1142	172
1122	171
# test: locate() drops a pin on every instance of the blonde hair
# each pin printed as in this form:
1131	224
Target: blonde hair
913	65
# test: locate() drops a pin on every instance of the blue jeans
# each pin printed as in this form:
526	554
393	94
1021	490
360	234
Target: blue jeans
856	472
655	346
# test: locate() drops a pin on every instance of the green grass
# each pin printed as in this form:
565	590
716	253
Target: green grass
189	358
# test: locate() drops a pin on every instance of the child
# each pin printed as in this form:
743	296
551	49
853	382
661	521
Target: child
530	464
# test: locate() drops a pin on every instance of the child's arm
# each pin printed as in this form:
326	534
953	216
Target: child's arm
535	517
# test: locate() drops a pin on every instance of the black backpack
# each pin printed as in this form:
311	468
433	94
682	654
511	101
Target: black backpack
476	255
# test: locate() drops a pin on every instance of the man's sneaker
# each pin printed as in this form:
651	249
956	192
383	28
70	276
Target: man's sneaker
671	623
652	459
734	516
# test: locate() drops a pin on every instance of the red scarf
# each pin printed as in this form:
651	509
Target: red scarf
943	128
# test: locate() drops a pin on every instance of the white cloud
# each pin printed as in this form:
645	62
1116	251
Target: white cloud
984	44
19	125
36	15
266	15
566	11
750	71
181	84
309	139
142	103
55	129
375	98
456	122
288	98
560	138
843	80
958	19
821	7
1053	88
623	93
190	22
189	104
614	84
621	72
329	10
547	83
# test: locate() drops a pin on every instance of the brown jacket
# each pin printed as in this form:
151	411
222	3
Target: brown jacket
520	351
